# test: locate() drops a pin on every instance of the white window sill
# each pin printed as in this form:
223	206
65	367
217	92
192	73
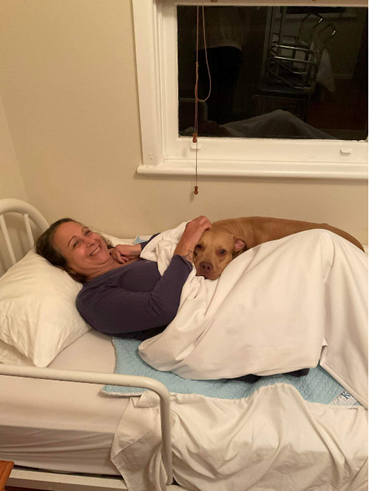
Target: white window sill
316	170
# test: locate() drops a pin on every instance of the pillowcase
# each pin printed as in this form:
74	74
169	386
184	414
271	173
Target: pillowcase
10	356
38	316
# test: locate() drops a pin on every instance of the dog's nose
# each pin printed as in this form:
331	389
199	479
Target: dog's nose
206	266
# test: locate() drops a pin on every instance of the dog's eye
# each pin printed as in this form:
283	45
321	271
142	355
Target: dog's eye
197	250
223	251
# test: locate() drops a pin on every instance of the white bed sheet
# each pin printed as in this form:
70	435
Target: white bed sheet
273	440
62	426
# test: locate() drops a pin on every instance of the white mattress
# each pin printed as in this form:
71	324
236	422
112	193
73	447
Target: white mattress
62	426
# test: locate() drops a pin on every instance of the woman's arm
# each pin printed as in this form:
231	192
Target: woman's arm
123	253
116	311
185	248
191	236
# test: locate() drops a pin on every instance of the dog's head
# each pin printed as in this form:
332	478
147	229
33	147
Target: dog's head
214	251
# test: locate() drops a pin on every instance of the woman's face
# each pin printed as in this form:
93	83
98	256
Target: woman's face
84	250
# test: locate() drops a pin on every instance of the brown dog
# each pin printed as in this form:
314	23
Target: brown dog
229	238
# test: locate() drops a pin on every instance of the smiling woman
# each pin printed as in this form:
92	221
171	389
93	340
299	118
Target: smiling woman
56	254
123	294
85	251
45	247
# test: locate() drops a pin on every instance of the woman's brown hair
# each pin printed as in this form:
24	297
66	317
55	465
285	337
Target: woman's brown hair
45	247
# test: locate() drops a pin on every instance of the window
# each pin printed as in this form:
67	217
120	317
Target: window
163	45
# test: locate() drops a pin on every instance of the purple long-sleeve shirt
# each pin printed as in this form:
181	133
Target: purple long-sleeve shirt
134	300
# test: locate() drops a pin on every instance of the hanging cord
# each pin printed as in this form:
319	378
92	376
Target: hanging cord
197	100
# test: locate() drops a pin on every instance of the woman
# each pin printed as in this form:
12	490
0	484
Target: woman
122	295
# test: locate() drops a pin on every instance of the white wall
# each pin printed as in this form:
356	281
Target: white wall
11	186
69	90
11	182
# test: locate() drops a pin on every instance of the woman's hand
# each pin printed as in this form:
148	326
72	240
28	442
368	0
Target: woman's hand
191	236
124	253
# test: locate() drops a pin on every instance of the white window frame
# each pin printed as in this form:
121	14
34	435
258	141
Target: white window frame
164	152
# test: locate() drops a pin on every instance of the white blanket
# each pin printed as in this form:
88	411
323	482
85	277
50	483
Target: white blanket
273	440
279	307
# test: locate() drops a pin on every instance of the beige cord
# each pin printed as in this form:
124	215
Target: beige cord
197	100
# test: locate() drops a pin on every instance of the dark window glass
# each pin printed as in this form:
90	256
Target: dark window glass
276	72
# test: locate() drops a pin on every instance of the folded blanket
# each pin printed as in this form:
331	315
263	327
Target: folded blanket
279	307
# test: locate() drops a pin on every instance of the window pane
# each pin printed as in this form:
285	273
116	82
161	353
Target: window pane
276	72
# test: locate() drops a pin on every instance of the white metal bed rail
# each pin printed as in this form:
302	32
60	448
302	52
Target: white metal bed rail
9	205
109	379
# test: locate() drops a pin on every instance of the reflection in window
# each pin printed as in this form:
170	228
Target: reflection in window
276	72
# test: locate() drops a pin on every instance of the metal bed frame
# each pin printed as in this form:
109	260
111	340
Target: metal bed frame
38	479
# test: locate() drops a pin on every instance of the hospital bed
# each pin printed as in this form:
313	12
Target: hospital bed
71	431
61	430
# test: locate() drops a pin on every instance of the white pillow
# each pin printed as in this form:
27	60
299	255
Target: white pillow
38	316
10	356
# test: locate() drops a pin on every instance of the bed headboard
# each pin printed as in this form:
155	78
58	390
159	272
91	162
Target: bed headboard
30	214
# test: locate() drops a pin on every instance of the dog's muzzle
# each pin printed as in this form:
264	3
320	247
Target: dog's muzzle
207	270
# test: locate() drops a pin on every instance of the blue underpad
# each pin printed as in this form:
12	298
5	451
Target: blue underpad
317	386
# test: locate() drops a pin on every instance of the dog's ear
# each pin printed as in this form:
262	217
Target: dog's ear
239	245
